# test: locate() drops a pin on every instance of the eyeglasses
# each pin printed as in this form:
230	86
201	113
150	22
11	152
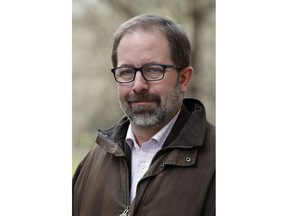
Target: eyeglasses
153	72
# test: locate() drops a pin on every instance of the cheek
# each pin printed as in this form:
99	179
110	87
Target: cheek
167	93
123	92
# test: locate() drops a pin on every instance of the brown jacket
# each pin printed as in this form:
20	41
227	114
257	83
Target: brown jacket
179	181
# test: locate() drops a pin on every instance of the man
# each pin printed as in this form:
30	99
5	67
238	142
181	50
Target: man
159	159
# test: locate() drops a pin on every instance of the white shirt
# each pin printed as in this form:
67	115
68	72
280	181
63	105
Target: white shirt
142	156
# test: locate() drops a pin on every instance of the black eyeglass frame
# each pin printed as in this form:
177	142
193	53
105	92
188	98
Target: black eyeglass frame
164	66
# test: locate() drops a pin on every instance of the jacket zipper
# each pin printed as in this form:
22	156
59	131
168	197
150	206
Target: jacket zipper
126	210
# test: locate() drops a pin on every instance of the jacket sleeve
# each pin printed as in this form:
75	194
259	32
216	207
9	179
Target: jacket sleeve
209	208
74	180
76	173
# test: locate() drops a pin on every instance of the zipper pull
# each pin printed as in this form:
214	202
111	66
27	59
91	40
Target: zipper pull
126	211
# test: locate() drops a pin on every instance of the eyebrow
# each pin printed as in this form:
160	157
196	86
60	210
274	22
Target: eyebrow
146	64
125	65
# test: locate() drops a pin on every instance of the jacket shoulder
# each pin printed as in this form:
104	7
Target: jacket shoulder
210	128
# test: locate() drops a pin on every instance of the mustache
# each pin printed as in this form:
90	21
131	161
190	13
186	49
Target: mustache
143	97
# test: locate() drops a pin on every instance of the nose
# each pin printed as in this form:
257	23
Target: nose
140	85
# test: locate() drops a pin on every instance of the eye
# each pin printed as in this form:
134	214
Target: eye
153	69
125	72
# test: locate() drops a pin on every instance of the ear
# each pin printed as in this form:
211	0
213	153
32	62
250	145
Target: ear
186	75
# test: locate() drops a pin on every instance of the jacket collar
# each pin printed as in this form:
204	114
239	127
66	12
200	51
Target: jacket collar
113	139
188	135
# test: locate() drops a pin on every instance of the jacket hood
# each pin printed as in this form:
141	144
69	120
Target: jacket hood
195	130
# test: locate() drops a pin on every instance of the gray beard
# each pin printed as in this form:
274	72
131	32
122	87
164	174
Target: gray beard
144	117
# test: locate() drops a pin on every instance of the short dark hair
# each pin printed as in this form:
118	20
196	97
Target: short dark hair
180	47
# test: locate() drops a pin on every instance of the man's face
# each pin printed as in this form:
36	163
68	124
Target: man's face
148	103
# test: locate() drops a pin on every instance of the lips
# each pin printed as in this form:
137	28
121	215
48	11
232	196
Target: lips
142	103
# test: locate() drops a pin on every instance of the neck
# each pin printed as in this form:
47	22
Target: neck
143	135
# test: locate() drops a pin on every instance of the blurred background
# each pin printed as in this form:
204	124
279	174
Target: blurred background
95	102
